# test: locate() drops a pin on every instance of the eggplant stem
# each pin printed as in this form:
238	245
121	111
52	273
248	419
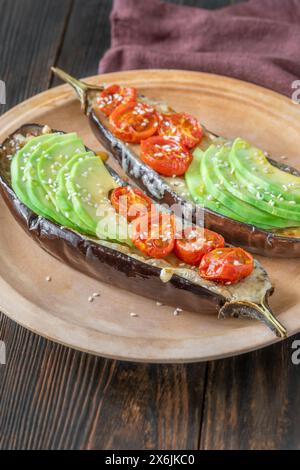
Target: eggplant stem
260	312
81	88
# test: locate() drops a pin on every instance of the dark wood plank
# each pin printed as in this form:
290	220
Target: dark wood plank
56	398
30	35
87	38
151	407
252	401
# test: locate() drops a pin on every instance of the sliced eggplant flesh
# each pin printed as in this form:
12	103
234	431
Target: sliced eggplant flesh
280	243
165	280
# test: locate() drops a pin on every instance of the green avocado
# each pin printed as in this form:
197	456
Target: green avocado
253	165
231	191
55	177
54	158
35	189
18	165
199	190
63	200
88	185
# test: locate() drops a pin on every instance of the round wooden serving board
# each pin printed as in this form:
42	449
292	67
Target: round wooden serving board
60	310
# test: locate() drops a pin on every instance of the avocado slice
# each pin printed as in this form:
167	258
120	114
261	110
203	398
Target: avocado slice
252	163
54	158
238	195
277	205
18	166
89	185
215	186
55	177
199	191
34	186
63	200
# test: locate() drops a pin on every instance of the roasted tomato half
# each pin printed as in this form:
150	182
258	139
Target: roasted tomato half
165	155
196	242
113	96
181	126
134	122
154	234
226	265
130	202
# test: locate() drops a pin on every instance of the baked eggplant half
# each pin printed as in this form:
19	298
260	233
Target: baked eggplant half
66	231
276	231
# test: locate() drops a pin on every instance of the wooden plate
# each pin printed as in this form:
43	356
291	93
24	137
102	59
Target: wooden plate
60	311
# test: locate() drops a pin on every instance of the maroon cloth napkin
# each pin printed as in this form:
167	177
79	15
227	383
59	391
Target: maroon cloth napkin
256	41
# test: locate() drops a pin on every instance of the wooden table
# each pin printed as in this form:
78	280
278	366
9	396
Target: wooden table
52	397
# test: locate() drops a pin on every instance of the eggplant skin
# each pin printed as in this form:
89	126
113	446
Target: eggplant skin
98	261
250	238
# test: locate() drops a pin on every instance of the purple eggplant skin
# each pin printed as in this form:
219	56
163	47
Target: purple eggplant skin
97	261
247	236
114	267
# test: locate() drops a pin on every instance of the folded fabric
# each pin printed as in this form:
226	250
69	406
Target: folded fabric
256	41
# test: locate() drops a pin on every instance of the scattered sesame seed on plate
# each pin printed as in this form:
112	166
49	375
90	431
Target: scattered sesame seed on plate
132	314
177	311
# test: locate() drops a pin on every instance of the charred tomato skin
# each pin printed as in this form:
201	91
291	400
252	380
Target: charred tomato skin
195	243
181	126
114	95
130	202
133	122
165	155
226	265
154	234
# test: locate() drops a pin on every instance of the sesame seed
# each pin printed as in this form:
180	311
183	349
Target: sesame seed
132	314
48	279
177	311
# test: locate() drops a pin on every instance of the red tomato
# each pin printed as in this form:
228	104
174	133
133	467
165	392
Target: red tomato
133	122
154	234
196	243
226	265
113	96
165	155
181	126
130	202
